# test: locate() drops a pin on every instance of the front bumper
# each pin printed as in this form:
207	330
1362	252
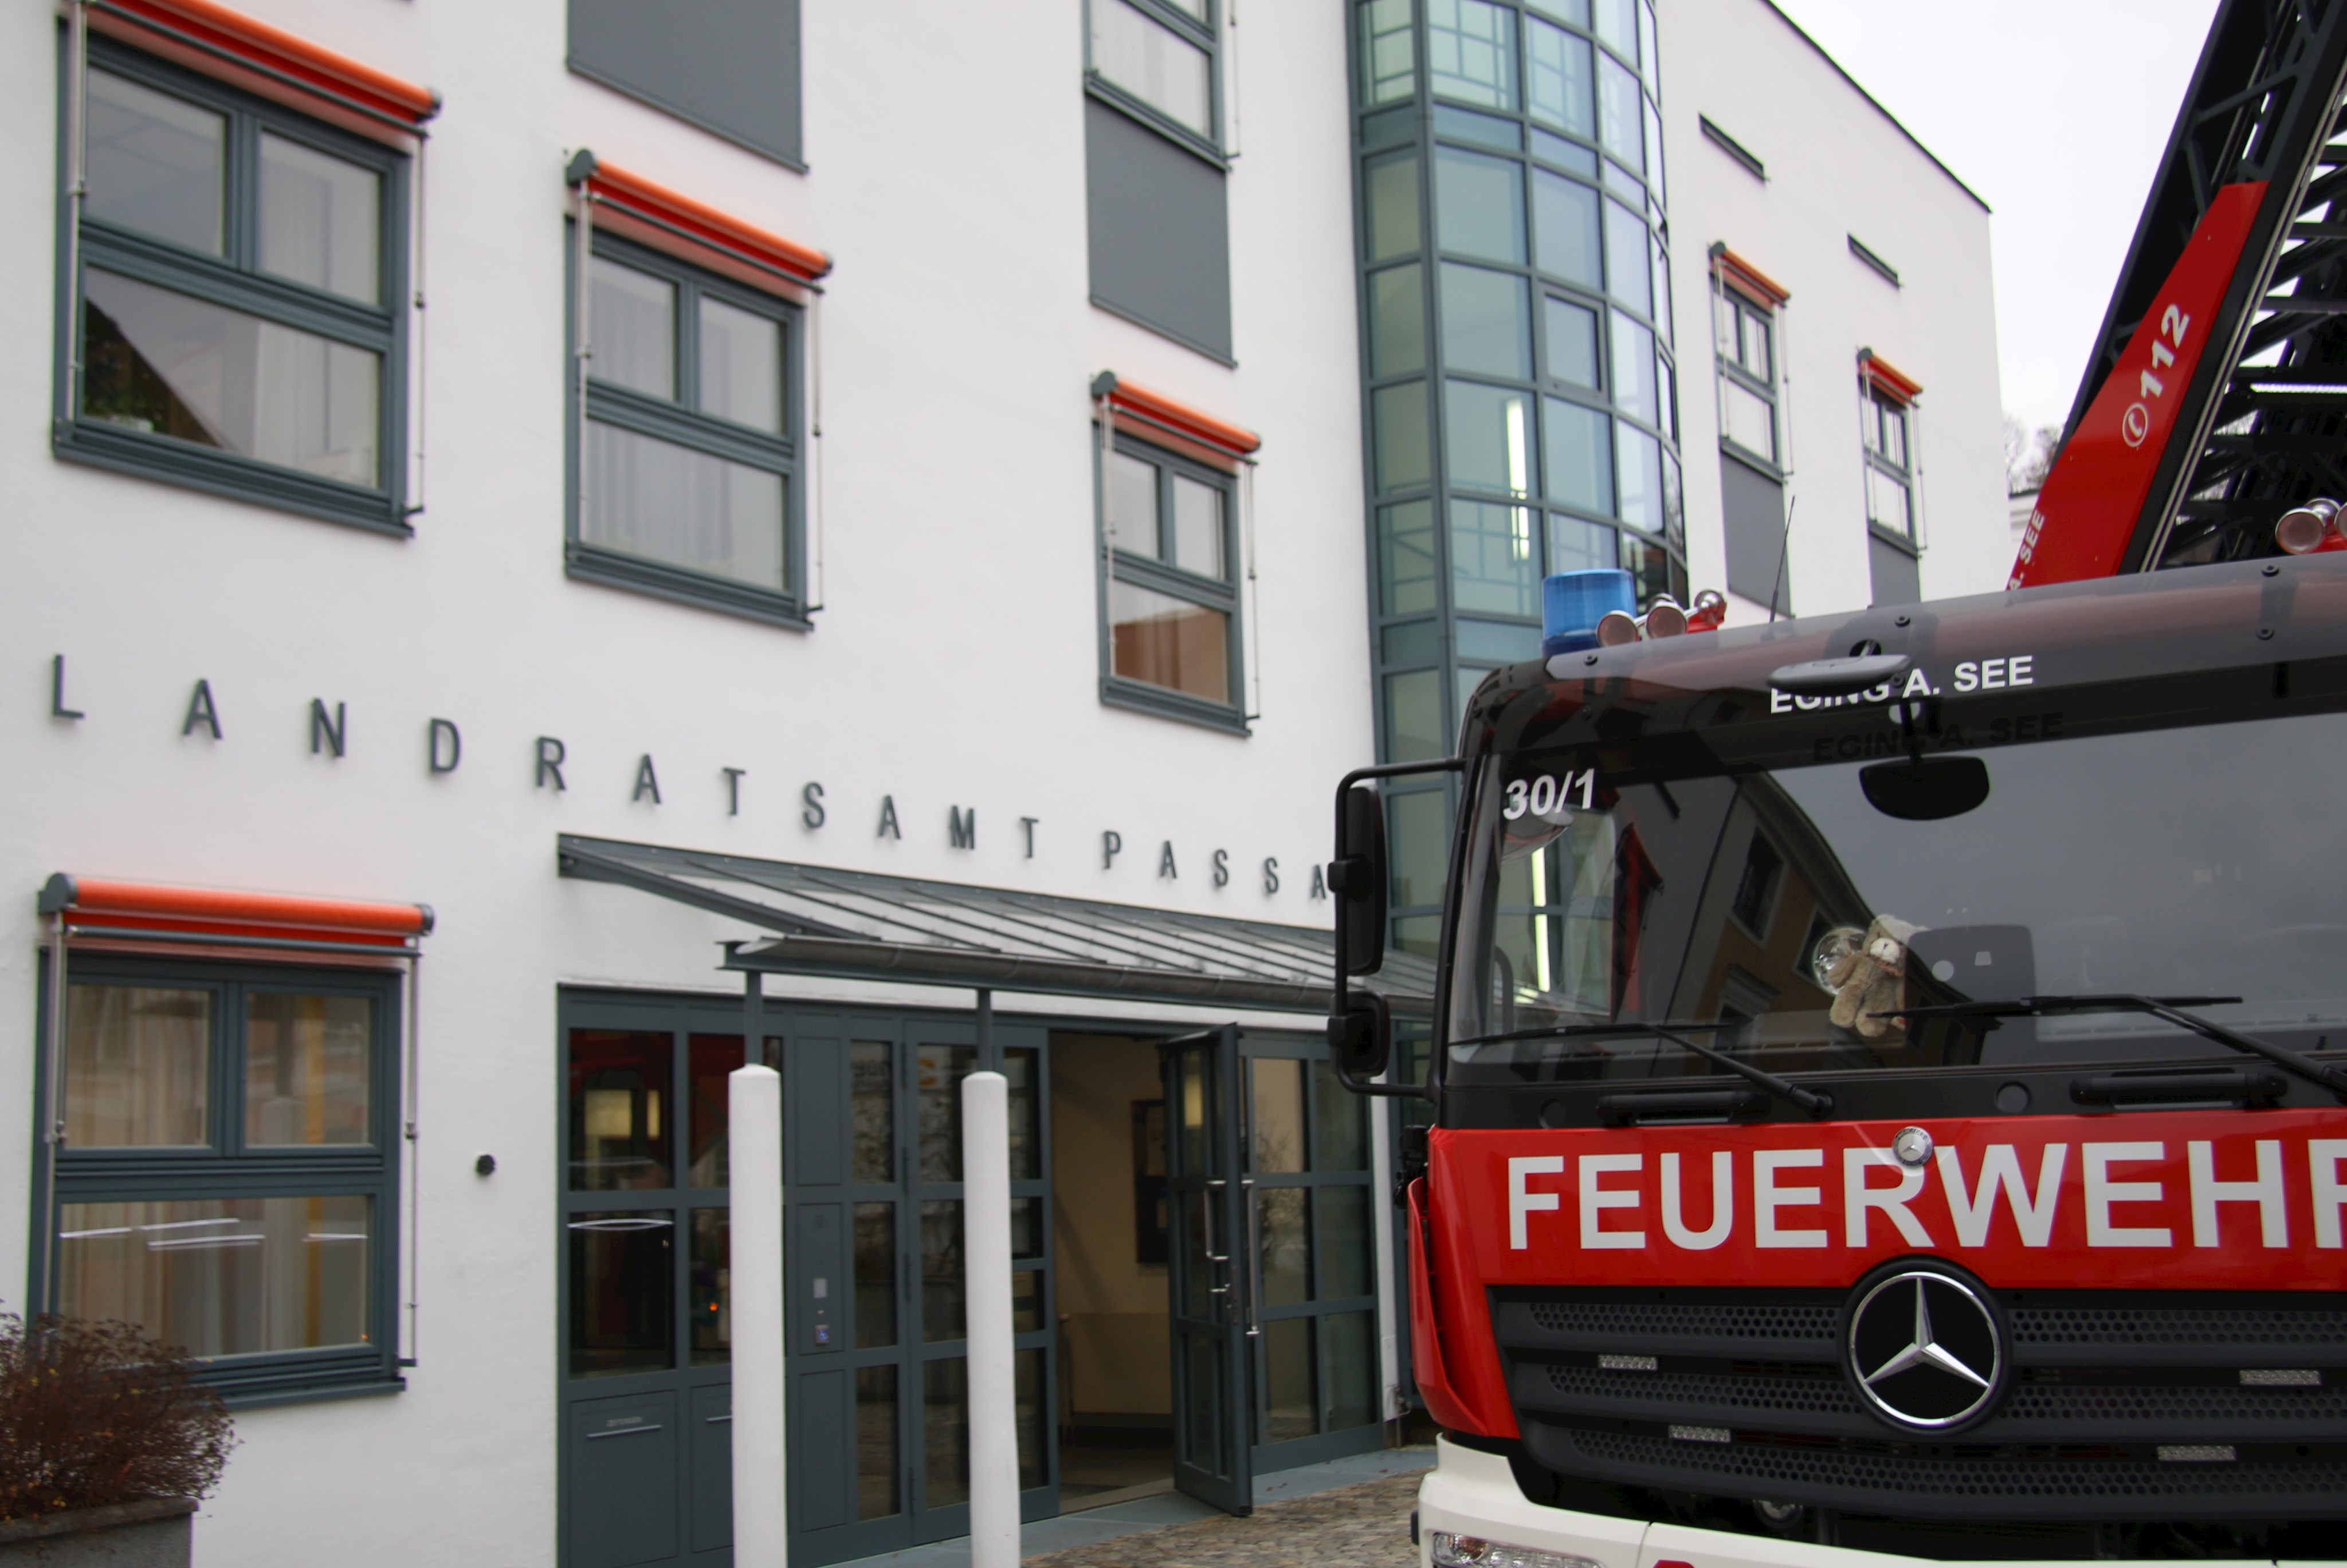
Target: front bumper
1469	1492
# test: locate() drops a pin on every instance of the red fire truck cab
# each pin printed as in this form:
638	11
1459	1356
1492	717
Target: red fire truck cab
1886	1074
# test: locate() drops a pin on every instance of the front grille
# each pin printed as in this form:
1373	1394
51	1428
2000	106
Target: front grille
1950	1485
2101	1383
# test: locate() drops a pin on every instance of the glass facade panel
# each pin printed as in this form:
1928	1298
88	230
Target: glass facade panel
1564	216
1287	1379
620	1118
1620	129
741	365
872	1111
1278	1144
1024	1114
875	1442
1580	457
1397	321
1406	581
712	1303
1574	11
1284	1262
1389	52
1028	1410
163	362
1488	436
1403	457
1344	1236
1571	341
712	1058
1479	205
1170	642
1495	565
222	1277
942	1284
667	503
321	220
1027	1301
1391	195
1558	80
1349	1394
1340	1122
631	329
1639	465
944	1409
622	1295
308	1062
155	164
1575	544
876	1275
1421	849
1487	324
1471	52
1414	727
1617	24
1155	64
937	1072
137	1068
1628	275
1635	393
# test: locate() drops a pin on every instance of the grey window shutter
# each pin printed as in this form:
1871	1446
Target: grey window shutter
731	66
1752	505
1160	223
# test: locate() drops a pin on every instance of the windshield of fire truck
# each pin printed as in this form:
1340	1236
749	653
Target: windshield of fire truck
1777	904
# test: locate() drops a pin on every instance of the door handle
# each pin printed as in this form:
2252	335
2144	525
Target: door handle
626	1431
714	1421
1253	1200
1207	1220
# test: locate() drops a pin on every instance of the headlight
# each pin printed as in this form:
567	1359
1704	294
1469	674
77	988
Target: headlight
1470	1551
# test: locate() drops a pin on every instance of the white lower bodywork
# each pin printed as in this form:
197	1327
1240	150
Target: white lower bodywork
1469	1492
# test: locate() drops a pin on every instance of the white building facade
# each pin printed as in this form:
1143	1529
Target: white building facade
464	457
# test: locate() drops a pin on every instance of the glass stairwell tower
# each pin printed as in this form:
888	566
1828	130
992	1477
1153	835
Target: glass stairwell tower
1521	390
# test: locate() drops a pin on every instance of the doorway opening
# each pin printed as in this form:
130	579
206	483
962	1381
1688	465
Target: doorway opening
1112	1340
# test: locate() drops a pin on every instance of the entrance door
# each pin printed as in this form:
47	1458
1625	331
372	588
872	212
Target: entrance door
1208	1277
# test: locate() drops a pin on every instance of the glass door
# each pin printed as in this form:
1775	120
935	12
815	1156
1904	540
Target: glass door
1211	1299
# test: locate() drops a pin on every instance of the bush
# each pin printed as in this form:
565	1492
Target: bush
94	1413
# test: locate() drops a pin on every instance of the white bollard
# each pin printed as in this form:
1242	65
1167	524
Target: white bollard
986	1253
755	1139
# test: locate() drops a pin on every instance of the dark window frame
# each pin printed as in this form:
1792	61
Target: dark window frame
234	280
1205	36
679	422
1119	564
1874	404
223	1168
1732	371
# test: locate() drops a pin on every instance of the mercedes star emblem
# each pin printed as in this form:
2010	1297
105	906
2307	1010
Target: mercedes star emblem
1925	1347
1913	1146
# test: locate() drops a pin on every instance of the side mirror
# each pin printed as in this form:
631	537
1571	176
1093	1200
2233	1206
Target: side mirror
1360	1039
1358	879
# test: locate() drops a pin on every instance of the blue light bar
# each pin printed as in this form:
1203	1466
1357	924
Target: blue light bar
1574	602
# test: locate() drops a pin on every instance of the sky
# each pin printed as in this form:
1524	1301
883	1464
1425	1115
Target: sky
2055	112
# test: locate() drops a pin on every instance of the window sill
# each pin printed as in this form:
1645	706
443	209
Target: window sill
1157	701
610	568
323	1393
170	462
1895	539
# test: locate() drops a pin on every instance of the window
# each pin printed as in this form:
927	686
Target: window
687	486
235	307
1747	343
1158	214
1755	889
228	1177
1170	638
1747	376
730	69
1887	436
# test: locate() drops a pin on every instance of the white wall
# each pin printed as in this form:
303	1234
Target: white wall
954	661
1837	165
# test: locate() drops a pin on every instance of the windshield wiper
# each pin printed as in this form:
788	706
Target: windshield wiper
1814	1102
2171	1009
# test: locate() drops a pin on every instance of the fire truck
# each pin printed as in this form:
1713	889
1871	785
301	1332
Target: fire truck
1884	1088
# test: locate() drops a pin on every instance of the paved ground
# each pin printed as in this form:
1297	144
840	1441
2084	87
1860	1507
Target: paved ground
1366	1525
1344	1512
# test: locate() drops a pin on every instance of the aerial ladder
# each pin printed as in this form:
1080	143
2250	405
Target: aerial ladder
2211	423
